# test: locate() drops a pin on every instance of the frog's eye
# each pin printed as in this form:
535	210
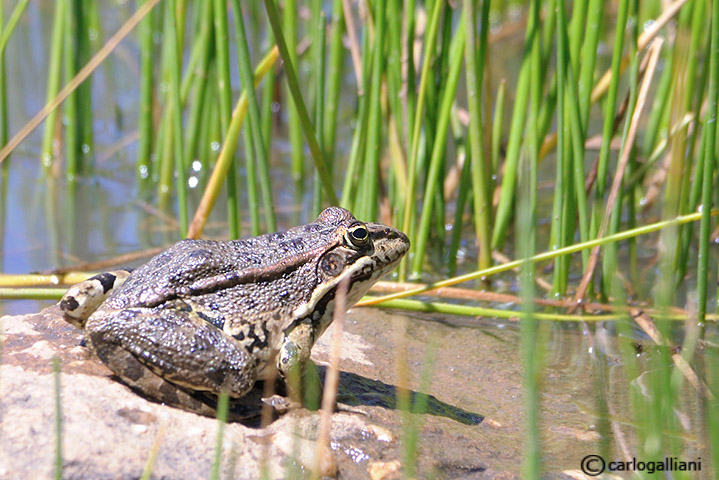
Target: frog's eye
358	235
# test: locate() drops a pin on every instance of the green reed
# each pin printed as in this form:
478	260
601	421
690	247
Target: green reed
436	162
413	411
475	55
147	76
335	71
254	124
174	41
53	82
57	397
224	91
70	107
319	40
408	215
4	135
359	138
526	221
710	125
223	403
293	83
289	27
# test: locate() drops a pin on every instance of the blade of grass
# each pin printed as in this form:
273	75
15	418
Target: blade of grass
526	227
503	313
293	83
199	65
329	392
82	14
516	131
253	198
412	424
474	61
319	62
577	138
175	67
53	83
12	22
655	49
263	167
334	76
710	125
408	219
408	73
433	177
58	417
145	123
591	34
497	127
4	128
359	138
368	204
289	22
223	402
393	76
69	109
695	90
464	192
268	108
559	207
152	456
224	89
228	149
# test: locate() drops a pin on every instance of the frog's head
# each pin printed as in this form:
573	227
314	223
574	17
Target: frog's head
360	254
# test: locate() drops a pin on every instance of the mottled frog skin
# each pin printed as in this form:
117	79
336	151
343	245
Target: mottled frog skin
212	317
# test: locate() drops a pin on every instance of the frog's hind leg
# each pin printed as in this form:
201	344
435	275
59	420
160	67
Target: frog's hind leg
149	384
170	355
82	299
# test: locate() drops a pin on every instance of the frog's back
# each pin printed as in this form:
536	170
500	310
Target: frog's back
197	267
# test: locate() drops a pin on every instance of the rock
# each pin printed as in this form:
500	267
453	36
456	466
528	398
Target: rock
109	431
306	452
385	470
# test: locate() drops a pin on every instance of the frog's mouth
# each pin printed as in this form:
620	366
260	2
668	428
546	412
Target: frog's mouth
321	312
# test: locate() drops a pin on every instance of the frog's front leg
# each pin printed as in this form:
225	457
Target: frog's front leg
296	368
169	353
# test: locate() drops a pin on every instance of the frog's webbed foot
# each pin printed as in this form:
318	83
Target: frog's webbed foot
170	355
281	404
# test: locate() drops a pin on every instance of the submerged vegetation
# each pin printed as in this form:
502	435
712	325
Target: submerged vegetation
588	156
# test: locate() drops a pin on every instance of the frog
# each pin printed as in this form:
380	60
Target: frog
204	318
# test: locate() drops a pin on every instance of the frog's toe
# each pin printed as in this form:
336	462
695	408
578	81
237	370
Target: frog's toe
281	404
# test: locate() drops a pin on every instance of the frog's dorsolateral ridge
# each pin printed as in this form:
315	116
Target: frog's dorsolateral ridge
211	317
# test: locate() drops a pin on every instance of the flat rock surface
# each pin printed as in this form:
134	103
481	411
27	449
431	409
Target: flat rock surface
108	431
